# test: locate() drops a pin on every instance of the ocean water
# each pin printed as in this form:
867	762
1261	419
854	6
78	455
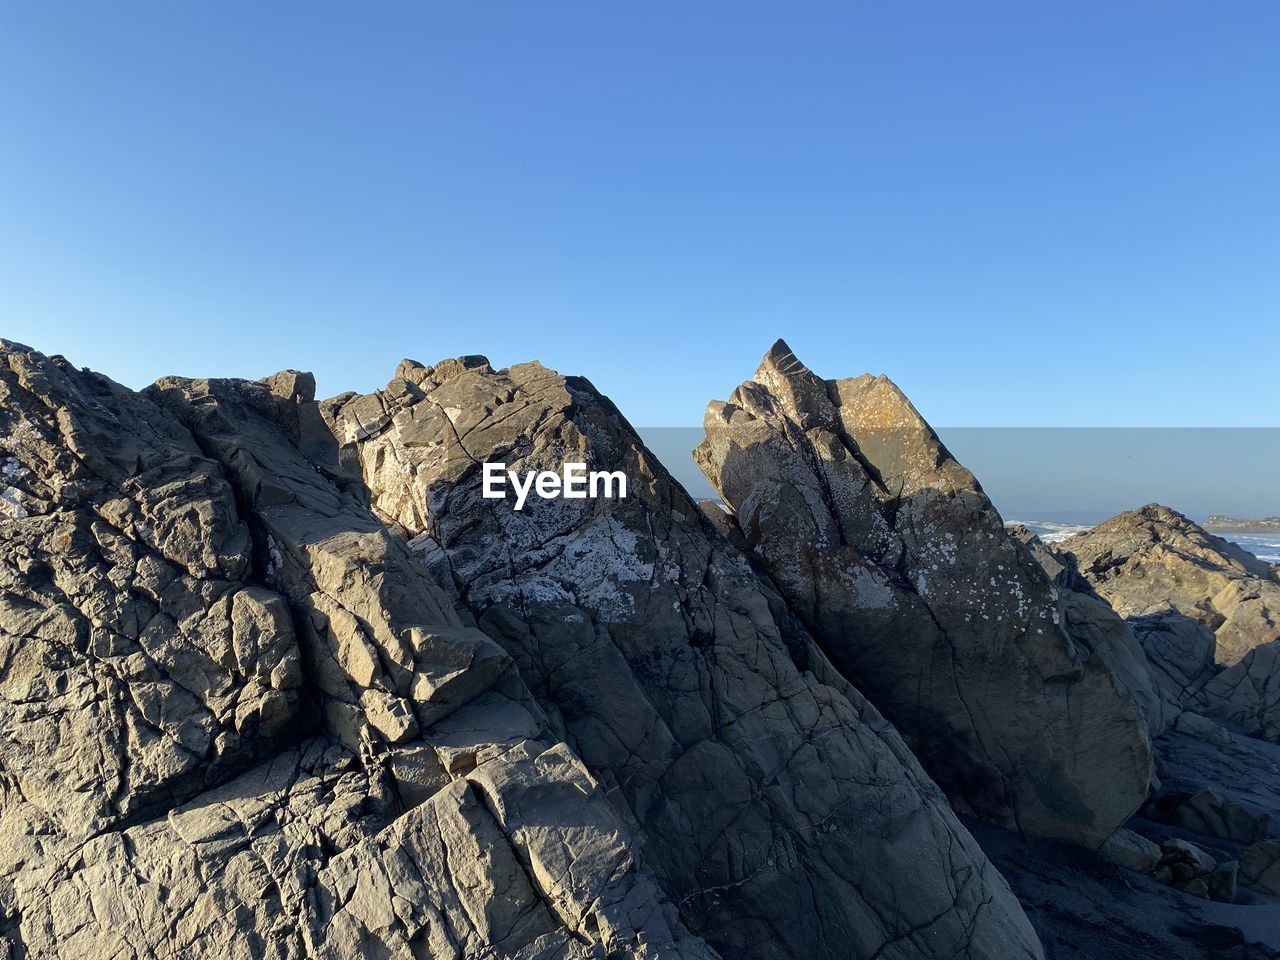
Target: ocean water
1264	546
1050	531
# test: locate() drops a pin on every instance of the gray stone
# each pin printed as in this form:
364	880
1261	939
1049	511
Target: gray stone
1094	627
780	812
1154	559
1247	693
185	586
1260	866
893	556
1132	851
1208	813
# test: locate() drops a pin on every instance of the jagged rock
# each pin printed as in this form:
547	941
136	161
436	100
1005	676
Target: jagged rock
1180	652
1132	850
895	558
1096	628
1154	559
1260	866
1208	813
140	665
1193	870
1195	725
779	810
183	586
468	873
1247	693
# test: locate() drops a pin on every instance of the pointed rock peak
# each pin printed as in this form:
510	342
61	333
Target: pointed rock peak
780	359
792	385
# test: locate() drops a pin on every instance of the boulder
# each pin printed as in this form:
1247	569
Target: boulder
1260	866
1181	653
1208	813
1154	559
892	555
1176	851
780	811
1247	693
1131	850
1201	727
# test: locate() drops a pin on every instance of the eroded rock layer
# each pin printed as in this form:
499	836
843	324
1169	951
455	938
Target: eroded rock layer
894	557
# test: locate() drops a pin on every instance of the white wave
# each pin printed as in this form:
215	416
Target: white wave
1050	531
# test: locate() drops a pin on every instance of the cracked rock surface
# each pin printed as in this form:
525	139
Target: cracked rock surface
1208	612
1154	559
893	556
1096	628
241	721
779	811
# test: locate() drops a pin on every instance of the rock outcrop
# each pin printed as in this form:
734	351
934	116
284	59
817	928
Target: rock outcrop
1096	628
279	682
1180	654
1153	559
896	560
1206	611
780	812
241	721
1247	693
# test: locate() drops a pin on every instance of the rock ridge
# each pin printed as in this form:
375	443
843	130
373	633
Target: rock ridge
893	556
774	802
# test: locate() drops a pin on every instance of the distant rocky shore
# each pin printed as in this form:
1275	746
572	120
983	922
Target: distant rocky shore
1235	525
278	681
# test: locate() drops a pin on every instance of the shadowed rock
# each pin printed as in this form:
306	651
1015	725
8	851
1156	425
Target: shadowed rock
1101	632
894	557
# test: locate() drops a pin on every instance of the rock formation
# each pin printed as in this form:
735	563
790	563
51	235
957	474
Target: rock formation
240	720
279	682
779	811
1247	693
896	560
1153	559
1195	600
1097	629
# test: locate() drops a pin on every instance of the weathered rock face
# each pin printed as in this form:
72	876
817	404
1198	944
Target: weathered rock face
778	809
241	721
1180	652
140	664
1247	693
1196	602
893	556
1094	627
1154	559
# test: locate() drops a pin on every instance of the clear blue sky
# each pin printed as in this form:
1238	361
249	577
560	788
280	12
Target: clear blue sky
1025	216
